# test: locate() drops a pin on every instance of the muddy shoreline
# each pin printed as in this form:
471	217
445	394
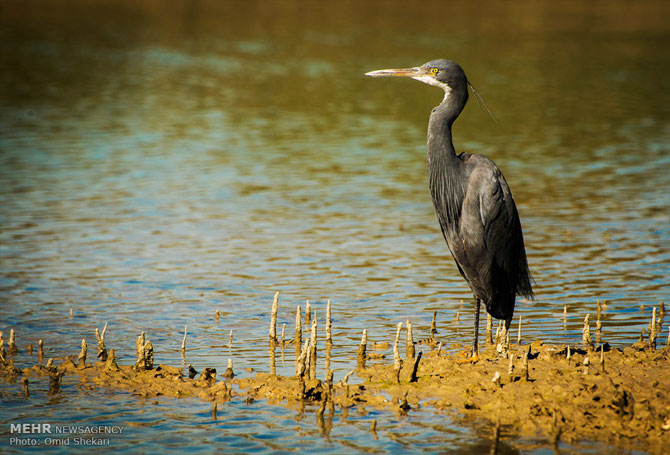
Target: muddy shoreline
558	393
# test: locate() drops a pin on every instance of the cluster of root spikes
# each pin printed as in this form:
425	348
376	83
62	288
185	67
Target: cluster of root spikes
557	391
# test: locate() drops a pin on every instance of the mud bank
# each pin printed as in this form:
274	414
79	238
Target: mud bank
626	404
555	392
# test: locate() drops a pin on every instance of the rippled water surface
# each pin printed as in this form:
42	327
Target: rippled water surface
160	161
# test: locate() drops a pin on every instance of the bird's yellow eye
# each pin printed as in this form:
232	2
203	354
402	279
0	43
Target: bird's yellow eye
435	70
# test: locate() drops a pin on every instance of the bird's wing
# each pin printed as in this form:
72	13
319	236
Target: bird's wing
493	250
489	192
501	223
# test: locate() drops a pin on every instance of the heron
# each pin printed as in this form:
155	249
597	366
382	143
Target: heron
473	203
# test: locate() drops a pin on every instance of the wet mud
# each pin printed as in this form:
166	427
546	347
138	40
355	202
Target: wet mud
558	393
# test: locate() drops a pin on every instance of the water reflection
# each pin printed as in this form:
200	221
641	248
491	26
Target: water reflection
161	164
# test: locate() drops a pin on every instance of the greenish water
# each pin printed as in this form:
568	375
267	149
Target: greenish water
161	161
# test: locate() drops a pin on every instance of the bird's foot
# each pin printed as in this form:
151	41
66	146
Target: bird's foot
474	358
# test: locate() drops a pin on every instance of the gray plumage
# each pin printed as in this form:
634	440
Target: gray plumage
473	203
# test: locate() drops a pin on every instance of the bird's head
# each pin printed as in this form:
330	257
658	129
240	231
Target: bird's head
446	74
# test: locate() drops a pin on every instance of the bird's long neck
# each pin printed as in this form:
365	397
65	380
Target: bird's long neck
440	146
444	166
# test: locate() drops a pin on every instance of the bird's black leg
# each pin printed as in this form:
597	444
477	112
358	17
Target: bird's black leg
508	323
475	344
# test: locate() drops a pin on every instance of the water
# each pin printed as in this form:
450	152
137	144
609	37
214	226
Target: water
161	163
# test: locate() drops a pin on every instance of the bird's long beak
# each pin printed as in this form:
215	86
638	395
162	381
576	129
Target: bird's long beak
399	72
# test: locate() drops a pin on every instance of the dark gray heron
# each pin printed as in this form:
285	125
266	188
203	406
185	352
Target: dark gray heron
473	202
